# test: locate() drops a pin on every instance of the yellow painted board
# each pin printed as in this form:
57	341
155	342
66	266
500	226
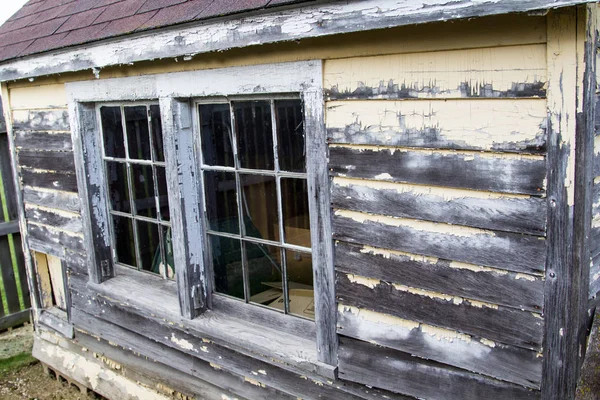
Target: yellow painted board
514	71
38	97
58	285
494	124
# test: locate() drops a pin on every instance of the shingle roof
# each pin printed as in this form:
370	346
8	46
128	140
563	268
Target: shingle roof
43	25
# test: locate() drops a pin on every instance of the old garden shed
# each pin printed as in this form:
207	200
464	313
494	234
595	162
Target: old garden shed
308	199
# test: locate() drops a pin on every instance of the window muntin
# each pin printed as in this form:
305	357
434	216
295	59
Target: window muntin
134	165
253	162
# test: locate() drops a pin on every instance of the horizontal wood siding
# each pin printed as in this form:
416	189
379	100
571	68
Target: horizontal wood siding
438	188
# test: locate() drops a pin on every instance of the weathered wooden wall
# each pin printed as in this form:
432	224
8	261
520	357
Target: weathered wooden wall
594	288
437	154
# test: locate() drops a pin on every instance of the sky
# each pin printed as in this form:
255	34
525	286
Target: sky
8	8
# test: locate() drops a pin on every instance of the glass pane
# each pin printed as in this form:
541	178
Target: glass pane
157	139
254	134
300	283
215	131
118	188
143	190
221	201
123	232
296	219
112	132
167	253
227	266
163	197
149	243
265	274
290	135
138	137
259	206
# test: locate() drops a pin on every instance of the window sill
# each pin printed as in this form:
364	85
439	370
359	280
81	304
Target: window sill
154	297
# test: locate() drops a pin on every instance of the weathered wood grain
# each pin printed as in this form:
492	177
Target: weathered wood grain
443	276
41	120
59	161
57	219
59	200
397	371
512	252
33	140
497	323
49	180
519	214
56	237
57	321
499	72
460	170
492	125
507	363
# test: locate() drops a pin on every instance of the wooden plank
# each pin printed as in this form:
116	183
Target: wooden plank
507	363
321	229
393	370
21	270
510	289
43	274
55	269
519	214
49	180
56	237
15	319
41	120
57	321
57	219
6	175
8	275
59	200
496	323
509	251
47	160
7	228
564	267
499	72
478	171
491	125
35	140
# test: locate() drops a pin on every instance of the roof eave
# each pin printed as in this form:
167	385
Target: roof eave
285	25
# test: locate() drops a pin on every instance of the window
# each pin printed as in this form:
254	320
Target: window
253	162
136	186
235	204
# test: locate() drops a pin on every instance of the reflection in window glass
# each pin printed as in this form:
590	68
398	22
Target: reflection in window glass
290	135
227	265
221	201
215	128
112	126
118	189
300	283
296	220
157	138
265	272
254	134
124	242
149	243
163	196
143	190
138	137
259	203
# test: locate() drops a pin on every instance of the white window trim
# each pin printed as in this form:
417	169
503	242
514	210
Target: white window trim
175	92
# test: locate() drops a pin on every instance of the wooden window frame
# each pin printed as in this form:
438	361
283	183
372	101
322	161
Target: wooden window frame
176	94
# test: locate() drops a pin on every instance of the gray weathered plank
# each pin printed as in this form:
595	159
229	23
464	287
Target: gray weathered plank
46	120
493	286
14	319
468	171
44	216
517	214
512	252
49	180
507	363
47	160
59	200
497	323
57	320
56	237
7	228
34	140
393	370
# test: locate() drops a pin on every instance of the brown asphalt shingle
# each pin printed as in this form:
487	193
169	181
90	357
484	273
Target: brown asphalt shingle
43	25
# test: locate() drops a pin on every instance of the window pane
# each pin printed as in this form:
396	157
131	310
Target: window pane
157	139
118	188
112	132
259	202
254	134
138	137
296	219
163	196
227	266
290	135
168	254
300	283
143	190
149	243
265	273
221	201
216	135
123	231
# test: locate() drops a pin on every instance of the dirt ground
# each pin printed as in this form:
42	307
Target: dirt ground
22	377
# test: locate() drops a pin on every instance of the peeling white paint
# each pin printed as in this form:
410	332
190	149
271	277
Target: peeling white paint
184	344
361	280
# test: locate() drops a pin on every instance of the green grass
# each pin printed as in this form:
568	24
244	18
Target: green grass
16	362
